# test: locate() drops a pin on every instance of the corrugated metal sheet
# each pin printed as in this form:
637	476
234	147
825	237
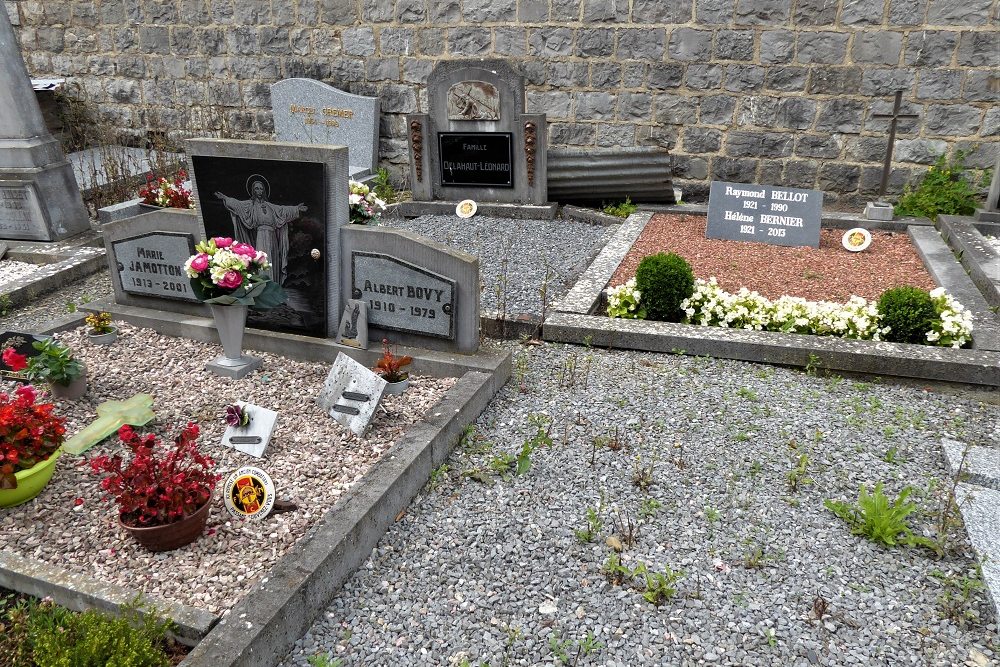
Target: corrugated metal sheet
602	175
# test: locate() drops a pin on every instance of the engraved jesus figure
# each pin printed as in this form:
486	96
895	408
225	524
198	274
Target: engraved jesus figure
262	224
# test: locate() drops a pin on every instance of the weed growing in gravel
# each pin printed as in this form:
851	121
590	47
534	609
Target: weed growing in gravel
594	525
521	370
892	455
324	660
618	573
798	476
712	515
771	637
438	477
881	520
747	393
649	507
757	551
660	586
562	648
5	304
755	468
642	474
959	595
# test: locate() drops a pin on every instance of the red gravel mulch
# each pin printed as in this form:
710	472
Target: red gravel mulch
828	273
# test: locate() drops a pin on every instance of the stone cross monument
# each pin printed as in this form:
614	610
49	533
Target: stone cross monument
39	197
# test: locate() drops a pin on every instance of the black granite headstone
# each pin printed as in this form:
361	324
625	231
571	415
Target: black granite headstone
764	213
21	343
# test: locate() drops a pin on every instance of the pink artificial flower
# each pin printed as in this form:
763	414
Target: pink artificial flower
231	280
200	262
244	249
222	241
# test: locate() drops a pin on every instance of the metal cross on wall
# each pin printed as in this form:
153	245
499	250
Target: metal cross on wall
894	117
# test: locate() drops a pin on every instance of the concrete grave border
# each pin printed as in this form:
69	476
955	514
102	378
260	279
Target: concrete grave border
61	262
574	321
284	605
980	259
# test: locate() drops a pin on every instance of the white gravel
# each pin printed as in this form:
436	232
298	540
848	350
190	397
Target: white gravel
494	574
516	257
11	270
312	459
30	317
993	241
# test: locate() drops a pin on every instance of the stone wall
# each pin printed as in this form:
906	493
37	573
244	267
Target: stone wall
772	91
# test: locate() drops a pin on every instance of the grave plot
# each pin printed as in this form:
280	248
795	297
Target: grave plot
312	460
802	287
671	510
977	247
518	259
29	270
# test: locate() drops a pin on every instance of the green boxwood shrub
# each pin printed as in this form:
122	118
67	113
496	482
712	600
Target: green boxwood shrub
909	313
664	280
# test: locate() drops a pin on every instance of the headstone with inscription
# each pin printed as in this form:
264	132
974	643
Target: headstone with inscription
351	393
418	292
311	112
146	256
764	213
39	198
476	142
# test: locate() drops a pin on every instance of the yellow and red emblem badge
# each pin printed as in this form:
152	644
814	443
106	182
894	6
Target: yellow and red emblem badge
249	493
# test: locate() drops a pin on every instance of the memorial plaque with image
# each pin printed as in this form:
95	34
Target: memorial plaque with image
153	264
764	213
403	297
476	158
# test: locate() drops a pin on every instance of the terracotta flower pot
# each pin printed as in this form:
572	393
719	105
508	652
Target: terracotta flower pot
172	535
30	482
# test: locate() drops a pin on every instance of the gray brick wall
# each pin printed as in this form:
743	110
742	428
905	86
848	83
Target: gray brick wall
772	91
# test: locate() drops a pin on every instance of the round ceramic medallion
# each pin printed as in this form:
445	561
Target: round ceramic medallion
466	208
857	239
249	493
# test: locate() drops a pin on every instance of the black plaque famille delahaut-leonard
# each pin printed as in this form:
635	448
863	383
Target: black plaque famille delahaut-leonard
476	158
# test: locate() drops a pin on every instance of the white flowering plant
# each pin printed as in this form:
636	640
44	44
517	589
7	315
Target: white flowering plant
954	324
365	204
226	272
623	301
710	305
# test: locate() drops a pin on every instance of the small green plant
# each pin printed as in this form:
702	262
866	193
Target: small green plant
712	515
660	586
71	306
438	476
594	526
959	595
6	305
664	280
944	189
798	476
891	455
879	519
771	637
54	363
649	507
621	209
747	393
383	186
642	474
813	365
618	573
909	313
560	648
521	371
324	660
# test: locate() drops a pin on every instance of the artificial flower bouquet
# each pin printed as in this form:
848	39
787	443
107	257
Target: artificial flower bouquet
29	433
225	272
160	484
165	193
365	204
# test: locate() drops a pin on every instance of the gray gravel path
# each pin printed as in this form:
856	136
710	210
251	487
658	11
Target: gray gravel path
478	573
515	256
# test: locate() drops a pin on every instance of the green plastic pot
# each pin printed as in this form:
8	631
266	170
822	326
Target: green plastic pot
30	482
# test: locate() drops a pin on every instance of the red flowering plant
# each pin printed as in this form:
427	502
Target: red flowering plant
157	488
169	194
390	366
29	433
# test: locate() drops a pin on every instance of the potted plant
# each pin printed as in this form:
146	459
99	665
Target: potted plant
30	440
231	277
101	332
162	193
390	367
55	364
163	493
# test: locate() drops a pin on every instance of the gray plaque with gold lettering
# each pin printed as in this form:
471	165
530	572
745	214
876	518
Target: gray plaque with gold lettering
403	297
153	265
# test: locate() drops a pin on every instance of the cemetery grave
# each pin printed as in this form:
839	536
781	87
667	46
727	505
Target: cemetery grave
824	273
312	459
715	470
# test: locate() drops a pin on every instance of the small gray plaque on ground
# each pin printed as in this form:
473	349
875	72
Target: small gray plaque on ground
402	296
764	213
261	426
153	265
347	378
20	214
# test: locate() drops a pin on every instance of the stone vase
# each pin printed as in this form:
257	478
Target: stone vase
230	322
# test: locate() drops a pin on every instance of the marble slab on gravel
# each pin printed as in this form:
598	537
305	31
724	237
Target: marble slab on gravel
982	464
312	459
